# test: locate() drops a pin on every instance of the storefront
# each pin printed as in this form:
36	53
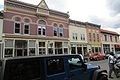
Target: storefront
78	48
31	47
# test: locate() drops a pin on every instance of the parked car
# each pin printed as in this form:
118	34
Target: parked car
97	56
50	67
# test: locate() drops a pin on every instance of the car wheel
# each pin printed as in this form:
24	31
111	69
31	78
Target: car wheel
103	77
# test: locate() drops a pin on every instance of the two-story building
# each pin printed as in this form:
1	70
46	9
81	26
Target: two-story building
33	30
110	41
93	37
77	37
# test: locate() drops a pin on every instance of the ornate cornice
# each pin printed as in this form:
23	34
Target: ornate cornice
34	8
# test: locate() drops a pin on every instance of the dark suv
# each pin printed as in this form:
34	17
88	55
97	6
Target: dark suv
50	67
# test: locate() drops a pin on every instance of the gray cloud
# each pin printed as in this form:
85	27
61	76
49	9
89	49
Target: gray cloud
114	6
106	23
59	5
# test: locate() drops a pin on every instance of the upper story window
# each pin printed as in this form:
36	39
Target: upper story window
98	39
74	36
82	36
61	30
90	37
116	40
94	38
111	38
17	25
26	26
55	29
105	36
42	27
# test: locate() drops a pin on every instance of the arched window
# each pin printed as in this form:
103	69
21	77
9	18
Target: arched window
26	26
41	27
61	30
17	25
55	29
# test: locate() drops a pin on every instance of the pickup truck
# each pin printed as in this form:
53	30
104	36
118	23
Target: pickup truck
50	67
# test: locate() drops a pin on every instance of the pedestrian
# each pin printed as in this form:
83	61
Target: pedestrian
111	60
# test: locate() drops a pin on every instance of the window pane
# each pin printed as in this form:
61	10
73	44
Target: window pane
44	31
65	50
41	44
65	44
50	50
39	31
17	27
31	43
60	31
55	66
26	29
42	51
8	52
31	51
8	43
74	63
55	31
23	69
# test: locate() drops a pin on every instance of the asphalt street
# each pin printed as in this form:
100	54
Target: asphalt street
104	65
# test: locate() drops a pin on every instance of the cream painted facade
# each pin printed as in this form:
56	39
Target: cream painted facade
77	37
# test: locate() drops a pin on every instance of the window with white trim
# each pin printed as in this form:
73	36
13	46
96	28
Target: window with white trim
17	25
82	36
42	48
55	29
74	35
61	30
8	48
42	28
32	47
26	26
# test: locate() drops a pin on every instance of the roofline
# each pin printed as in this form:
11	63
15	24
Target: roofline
109	32
36	6
76	22
92	24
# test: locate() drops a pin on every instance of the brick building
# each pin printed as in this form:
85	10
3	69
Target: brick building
33	30
110	41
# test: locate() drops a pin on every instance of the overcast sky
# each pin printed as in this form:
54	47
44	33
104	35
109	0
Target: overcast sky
102	12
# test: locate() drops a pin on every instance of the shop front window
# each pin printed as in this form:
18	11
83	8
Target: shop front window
8	48
42	48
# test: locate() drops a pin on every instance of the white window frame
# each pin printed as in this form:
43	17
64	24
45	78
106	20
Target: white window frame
28	29
15	28
61	28
42	27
